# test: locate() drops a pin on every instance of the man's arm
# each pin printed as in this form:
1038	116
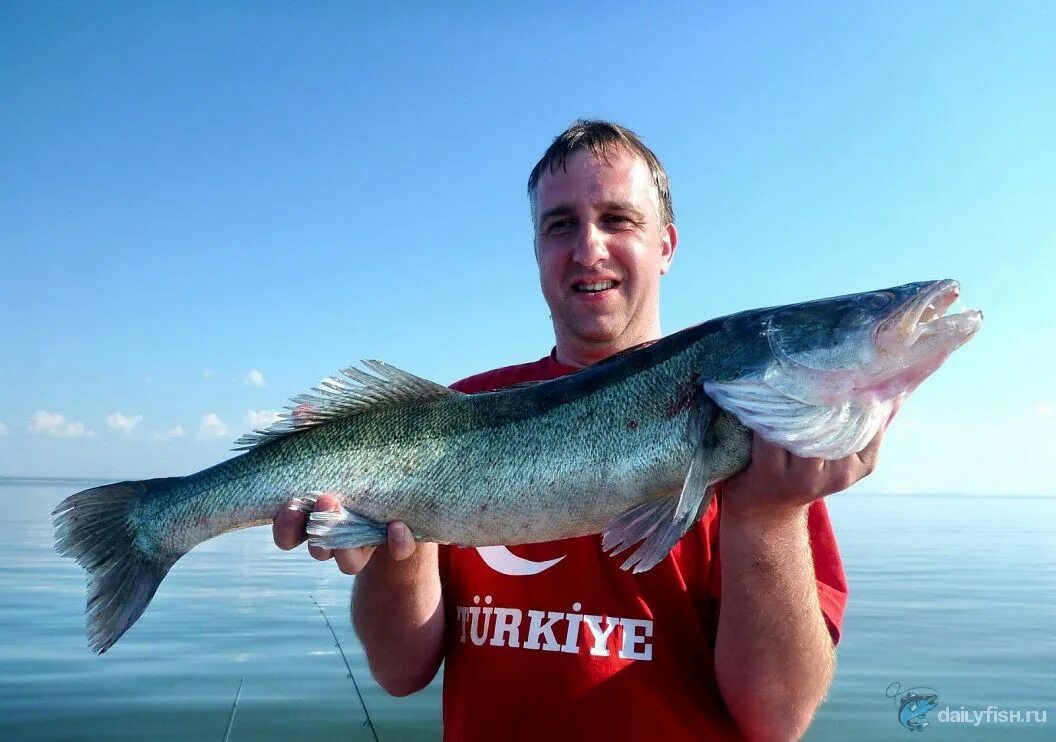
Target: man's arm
397	609
399	616
774	657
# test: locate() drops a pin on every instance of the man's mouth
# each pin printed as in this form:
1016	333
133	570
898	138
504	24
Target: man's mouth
594	288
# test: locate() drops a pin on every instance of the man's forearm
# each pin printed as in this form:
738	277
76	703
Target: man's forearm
774	658
398	614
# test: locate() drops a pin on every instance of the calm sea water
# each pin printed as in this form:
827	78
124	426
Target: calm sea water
953	593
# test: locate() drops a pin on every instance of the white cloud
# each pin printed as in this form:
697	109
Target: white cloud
212	426
57	426
172	433
123	423
258	419
3	429
255	378
208	373
1044	409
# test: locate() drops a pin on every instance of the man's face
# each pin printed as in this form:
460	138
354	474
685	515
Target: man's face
601	251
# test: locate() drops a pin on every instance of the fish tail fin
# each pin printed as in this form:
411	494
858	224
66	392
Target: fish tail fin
98	528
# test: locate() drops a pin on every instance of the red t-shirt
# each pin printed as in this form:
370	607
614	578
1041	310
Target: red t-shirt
580	649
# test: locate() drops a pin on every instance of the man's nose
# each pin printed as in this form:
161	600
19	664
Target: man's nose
590	246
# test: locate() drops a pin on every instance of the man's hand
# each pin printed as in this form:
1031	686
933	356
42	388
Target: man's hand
288	532
397	607
777	482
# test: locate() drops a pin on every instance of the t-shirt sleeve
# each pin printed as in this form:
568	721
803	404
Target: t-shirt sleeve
828	568
829	576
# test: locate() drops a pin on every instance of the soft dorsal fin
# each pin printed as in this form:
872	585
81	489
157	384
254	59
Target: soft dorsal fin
344	396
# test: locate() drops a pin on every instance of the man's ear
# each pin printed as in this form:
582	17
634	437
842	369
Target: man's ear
668	243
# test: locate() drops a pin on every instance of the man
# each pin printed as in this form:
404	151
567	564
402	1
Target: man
729	637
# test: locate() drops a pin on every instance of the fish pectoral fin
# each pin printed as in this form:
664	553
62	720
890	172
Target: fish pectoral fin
804	429
659	524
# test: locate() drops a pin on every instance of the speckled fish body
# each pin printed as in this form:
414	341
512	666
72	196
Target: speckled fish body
629	447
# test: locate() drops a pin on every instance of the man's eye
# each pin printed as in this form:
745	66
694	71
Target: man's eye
617	220
558	226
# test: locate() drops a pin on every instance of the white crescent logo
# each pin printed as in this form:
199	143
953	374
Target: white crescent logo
505	562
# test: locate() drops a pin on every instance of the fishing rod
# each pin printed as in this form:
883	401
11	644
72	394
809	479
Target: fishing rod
337	643
234	709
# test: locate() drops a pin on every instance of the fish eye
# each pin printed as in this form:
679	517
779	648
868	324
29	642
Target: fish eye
878	300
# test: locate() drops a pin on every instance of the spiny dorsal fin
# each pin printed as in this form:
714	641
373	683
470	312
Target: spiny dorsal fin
355	392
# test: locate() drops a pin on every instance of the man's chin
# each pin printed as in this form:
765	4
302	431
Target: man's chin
596	333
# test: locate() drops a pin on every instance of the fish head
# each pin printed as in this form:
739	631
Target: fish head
880	343
822	378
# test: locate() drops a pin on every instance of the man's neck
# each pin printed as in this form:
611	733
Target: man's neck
581	355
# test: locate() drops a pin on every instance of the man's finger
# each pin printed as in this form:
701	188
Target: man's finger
324	502
767	457
352	561
896	404
401	542
806	468
867	456
288	528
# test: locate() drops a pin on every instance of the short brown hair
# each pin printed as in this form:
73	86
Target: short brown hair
601	138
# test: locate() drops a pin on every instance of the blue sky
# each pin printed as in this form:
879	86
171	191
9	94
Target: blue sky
206	208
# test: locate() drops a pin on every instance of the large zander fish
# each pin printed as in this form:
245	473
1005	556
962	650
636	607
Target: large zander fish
629	447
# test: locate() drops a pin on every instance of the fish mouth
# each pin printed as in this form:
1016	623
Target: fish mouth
925	315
